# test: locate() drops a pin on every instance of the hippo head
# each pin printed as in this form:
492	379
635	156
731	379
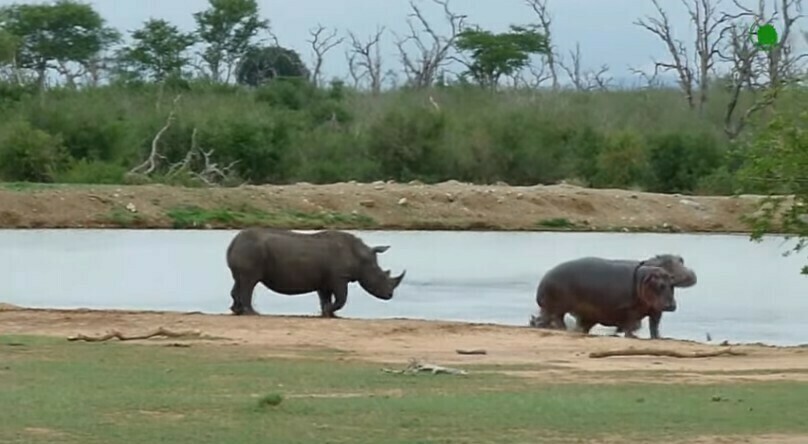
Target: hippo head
675	265
372	278
655	288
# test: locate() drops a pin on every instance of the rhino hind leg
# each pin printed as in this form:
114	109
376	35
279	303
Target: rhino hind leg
326	303
242	293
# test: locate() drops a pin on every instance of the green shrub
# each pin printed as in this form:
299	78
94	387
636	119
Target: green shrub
85	171
678	161
29	154
405	143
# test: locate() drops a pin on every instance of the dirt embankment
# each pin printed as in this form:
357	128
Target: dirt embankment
450	205
555	356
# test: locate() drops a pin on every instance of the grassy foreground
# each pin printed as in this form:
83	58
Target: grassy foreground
52	390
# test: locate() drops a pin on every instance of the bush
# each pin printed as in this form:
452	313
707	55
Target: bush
621	163
405	143
29	154
678	161
84	171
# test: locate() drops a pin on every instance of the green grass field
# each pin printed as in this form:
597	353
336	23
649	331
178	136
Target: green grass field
52	390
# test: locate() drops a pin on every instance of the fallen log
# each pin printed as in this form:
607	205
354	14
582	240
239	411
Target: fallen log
114	334
664	353
476	351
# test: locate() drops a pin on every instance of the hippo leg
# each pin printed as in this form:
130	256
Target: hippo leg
653	324
325	303
550	320
585	325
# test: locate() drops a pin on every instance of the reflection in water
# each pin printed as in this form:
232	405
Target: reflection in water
746	291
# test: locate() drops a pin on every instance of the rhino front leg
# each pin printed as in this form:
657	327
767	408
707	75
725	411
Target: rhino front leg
340	297
325	303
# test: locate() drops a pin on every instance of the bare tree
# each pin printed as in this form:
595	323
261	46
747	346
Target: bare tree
761	72
586	80
433	49
365	60
692	74
320	44
545	21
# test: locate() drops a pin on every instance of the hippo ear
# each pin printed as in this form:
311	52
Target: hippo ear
387	272
381	248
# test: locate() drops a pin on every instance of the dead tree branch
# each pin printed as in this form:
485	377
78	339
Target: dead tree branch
761	72
365	60
422	70
588	80
114	334
666	353
152	162
691	74
545	21
320	44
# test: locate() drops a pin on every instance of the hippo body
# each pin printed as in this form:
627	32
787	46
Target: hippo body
611	292
292	263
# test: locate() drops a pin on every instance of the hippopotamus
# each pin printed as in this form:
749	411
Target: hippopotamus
293	263
611	292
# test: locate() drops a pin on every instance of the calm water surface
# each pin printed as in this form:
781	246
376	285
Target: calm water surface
747	292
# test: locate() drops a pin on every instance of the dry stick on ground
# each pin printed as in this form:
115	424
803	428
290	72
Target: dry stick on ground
158	332
416	366
668	353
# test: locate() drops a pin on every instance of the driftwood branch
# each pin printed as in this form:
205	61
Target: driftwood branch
416	366
124	337
152	162
666	353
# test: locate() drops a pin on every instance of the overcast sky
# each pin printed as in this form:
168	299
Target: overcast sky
603	27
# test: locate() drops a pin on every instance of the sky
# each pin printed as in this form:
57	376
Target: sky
603	28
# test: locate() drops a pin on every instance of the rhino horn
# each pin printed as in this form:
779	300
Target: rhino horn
381	248
397	279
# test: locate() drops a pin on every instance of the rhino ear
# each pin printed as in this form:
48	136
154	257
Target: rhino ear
381	249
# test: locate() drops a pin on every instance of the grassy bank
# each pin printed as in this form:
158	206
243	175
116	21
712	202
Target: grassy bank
287	132
123	393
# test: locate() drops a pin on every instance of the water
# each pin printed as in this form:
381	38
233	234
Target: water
747	292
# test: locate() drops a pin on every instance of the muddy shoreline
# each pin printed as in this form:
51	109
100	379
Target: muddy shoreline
378	206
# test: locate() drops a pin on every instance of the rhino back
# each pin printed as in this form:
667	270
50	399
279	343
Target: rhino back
278	255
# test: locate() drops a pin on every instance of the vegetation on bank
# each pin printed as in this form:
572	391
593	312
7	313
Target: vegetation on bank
289	132
207	394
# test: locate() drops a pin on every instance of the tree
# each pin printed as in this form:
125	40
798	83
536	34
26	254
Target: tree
228	28
55	35
158	51
777	164
495	55
260	65
320	45
423	68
